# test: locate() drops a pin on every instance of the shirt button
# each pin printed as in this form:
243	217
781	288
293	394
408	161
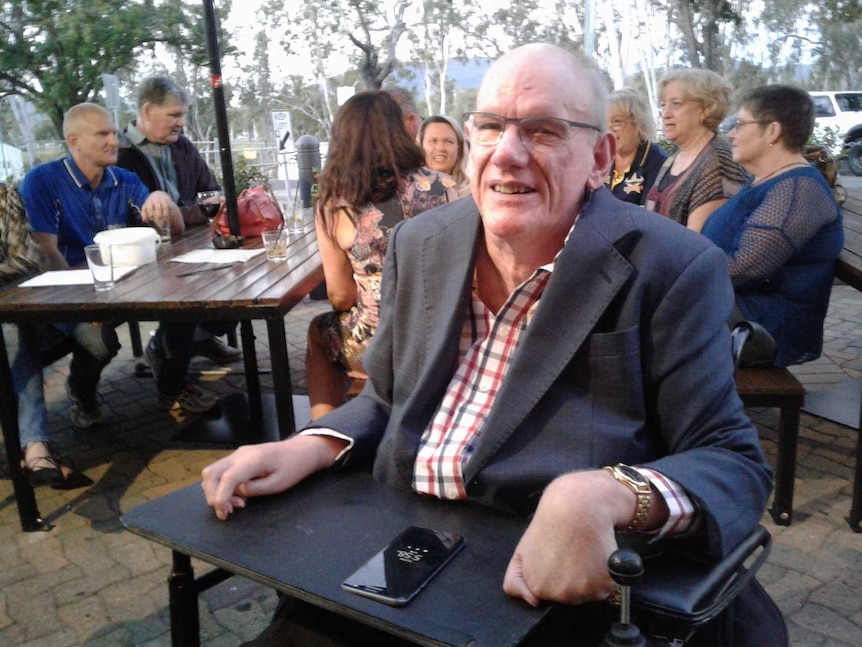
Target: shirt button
452	492
485	386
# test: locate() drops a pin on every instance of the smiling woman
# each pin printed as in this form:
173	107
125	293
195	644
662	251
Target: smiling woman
638	158
445	150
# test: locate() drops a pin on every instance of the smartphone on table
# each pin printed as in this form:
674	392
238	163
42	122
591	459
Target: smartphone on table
398	572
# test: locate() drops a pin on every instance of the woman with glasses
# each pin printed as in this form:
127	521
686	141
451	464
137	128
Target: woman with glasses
445	150
373	179
701	175
783	231
638	158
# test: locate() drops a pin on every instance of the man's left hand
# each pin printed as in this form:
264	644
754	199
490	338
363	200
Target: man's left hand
563	555
159	208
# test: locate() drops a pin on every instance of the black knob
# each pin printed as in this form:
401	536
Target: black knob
625	567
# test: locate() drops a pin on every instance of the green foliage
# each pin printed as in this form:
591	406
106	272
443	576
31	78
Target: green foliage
54	52
246	175
828	136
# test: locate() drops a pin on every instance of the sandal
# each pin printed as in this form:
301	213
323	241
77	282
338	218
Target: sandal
44	467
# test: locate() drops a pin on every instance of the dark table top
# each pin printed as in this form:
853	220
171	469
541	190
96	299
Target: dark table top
255	289
307	541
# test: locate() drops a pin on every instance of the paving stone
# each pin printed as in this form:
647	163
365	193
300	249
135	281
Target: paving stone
89	582
828	623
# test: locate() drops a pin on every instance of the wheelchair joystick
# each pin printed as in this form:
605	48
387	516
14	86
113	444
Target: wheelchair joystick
625	567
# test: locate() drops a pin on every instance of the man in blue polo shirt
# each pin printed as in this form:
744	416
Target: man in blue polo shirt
68	201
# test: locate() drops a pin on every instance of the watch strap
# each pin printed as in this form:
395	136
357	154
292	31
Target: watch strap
642	490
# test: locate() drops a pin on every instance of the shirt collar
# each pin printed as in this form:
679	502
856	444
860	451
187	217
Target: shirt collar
81	181
135	136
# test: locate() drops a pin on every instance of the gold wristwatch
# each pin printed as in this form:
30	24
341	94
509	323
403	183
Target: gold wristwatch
637	483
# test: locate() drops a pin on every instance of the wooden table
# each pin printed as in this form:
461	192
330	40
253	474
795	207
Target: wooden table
256	289
850	271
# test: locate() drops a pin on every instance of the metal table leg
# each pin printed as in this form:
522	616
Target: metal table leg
281	376
183	596
28	512
855	518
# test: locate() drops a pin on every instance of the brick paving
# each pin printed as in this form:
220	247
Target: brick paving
89	582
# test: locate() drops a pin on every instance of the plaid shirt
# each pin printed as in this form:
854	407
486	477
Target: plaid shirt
488	342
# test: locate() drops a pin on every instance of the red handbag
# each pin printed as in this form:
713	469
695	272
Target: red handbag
258	211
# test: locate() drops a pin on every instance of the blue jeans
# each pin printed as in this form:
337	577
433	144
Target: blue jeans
93	348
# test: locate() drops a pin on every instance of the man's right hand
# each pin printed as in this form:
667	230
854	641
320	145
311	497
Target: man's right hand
268	468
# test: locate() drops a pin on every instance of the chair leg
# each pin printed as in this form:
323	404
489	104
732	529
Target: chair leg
785	469
231	338
855	518
135	336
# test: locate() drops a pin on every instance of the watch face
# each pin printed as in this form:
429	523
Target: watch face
632	473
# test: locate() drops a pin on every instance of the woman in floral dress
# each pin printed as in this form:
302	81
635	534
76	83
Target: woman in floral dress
373	179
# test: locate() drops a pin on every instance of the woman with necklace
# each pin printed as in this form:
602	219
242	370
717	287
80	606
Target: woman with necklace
638	158
783	231
702	175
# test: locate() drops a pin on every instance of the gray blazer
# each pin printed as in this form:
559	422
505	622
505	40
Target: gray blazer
627	359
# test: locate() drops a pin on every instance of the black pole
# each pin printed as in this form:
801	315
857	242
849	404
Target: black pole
221	120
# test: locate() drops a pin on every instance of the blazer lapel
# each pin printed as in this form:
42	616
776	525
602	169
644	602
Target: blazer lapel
589	269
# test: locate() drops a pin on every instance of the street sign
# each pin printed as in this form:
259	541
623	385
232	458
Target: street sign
282	130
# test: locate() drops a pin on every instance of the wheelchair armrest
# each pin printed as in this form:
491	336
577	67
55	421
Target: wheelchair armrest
690	592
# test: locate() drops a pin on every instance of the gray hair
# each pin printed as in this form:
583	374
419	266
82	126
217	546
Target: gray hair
160	90
630	101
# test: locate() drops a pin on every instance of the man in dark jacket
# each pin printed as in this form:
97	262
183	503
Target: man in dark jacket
153	147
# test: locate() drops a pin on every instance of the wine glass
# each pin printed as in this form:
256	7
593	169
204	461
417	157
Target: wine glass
209	202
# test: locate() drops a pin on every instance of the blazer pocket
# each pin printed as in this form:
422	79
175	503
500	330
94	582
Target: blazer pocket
622	343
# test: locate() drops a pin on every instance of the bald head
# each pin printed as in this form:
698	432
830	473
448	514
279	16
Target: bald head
572	79
529	188
77	116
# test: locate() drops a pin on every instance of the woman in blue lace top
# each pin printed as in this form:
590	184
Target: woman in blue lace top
783	231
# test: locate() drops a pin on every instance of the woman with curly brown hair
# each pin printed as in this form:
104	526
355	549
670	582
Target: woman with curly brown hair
372	180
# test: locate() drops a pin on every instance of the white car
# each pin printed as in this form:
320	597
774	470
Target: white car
842	111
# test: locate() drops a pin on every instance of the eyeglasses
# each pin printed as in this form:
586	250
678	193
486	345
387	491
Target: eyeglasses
486	129
739	123
618	124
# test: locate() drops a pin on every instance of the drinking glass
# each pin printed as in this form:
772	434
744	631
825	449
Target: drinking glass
100	262
275	244
164	231
210	202
295	219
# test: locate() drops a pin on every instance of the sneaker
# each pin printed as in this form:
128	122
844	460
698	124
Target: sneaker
215	350
153	358
191	399
84	412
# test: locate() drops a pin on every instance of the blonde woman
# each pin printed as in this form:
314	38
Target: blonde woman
444	145
638	158
701	176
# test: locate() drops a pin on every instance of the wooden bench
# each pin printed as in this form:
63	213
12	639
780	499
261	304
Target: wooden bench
777	387
850	271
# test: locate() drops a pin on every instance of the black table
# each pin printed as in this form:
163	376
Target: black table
255	289
307	541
